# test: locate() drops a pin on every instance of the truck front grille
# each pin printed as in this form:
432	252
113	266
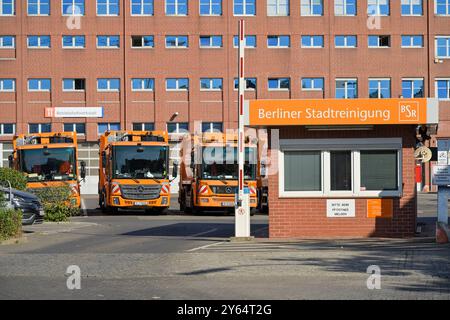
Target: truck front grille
224	189
140	192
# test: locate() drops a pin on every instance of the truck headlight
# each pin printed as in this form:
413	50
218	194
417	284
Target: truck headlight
164	200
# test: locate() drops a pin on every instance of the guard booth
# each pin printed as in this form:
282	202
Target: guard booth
342	168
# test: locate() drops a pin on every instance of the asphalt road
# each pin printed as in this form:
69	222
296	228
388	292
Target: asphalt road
136	256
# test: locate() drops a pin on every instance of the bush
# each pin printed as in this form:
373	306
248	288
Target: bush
10	223
56	203
16	178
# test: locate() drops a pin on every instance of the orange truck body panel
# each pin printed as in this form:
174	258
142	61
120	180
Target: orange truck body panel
114	189
44	140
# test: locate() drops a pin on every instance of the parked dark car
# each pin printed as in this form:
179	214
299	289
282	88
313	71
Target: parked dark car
28	203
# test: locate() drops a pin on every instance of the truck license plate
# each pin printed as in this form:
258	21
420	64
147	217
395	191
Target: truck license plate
140	203
227	204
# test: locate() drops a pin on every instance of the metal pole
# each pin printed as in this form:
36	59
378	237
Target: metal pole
242	214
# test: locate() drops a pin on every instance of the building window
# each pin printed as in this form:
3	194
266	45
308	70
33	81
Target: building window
312	41
39	127
210	41
244	7
210	7
413	88
177	84
7	129
142	42
108	85
442	89
176	7
7	8
211	84
212	127
277	7
39	85
149	126
312	84
178	127
74	42
142	7
250	84
38	7
79	128
250	41
108	7
7	85
177	41
412	7
346	88
442	7
142	84
379	88
345	41
38	42
378	7
278	41
379	41
415	41
345	7
353	167
443	47
279	84
7	42
311	7
73	7
108	42
74	84
107	126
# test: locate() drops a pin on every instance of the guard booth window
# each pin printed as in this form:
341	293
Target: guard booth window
303	171
379	170
341	170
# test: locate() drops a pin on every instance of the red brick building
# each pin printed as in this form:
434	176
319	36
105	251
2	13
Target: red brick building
77	53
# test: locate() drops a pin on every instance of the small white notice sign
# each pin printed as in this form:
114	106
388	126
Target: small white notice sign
340	208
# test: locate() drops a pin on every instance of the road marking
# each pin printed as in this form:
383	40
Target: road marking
203	233
205	246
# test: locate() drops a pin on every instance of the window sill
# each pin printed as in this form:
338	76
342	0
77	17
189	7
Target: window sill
320	195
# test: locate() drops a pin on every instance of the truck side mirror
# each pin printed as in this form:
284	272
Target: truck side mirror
83	170
175	170
103	159
10	161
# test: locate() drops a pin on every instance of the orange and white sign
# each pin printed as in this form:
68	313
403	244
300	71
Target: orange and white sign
380	208
341	112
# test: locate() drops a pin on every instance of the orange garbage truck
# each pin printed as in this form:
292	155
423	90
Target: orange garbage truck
134	171
209	172
49	160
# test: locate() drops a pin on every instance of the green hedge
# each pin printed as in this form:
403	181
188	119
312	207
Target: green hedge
16	178
10	223
56	202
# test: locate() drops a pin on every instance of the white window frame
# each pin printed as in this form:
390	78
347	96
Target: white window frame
313	87
39	126
210	41
277	5
325	146
210	9
346	46
178	128
107	14
7	47
2	129
211	126
39	89
39	14
73	82
310	4
245	14
13	3
411	14
210	84
142	89
64	14
378	42
246	46
142	14
108	42
142	125
344	6
108	124
74	46
346	87
379	86
109	85
411	36
246	88
2	89
279	84
412	85
74	124
436	88
447	10
39	46
142	39
436	47
377	5
177	46
178	84
312	46
278	46
176	14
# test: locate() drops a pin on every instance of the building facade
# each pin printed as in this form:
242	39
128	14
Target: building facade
167	64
